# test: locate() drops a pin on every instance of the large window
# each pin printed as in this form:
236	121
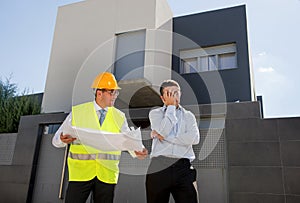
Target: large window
130	54
208	59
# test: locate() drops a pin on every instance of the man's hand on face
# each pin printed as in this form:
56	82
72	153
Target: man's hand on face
171	96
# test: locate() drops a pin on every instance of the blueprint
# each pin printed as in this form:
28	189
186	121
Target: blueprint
107	141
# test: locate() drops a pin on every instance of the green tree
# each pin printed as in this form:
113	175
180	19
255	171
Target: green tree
14	105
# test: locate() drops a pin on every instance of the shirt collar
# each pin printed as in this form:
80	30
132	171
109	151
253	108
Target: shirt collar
179	107
97	107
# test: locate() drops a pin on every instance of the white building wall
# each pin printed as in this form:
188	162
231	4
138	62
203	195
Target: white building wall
84	45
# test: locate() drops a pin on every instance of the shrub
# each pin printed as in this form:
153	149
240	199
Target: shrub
13	106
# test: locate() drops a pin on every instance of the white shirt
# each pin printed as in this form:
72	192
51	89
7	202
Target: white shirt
179	129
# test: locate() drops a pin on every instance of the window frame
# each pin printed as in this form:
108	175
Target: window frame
205	53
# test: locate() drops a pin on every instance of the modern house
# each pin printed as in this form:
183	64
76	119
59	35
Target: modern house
241	158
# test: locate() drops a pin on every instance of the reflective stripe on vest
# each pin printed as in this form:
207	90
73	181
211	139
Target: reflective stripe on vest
94	156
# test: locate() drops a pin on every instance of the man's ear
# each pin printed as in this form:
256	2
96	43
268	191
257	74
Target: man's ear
162	98
99	93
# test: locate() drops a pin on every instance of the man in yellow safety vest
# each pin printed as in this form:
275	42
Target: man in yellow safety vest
92	170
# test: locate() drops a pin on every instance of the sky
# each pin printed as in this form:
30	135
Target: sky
27	28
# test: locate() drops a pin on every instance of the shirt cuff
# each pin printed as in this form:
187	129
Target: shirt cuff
171	109
171	113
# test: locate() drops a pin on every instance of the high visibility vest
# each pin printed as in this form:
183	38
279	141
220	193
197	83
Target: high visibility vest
84	162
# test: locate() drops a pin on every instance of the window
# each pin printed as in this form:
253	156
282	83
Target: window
208	59
130	55
190	65
227	61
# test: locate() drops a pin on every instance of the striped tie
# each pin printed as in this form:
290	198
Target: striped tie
102	116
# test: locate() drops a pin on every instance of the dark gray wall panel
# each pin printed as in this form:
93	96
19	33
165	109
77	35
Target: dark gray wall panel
256	198
292	199
251	130
243	110
212	185
15	174
7	148
254	154
290	153
289	128
131	188
13	192
292	180
256	179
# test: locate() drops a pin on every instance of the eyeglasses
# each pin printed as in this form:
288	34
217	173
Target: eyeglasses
111	92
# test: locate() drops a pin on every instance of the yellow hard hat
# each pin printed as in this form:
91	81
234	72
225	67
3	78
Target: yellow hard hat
105	80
